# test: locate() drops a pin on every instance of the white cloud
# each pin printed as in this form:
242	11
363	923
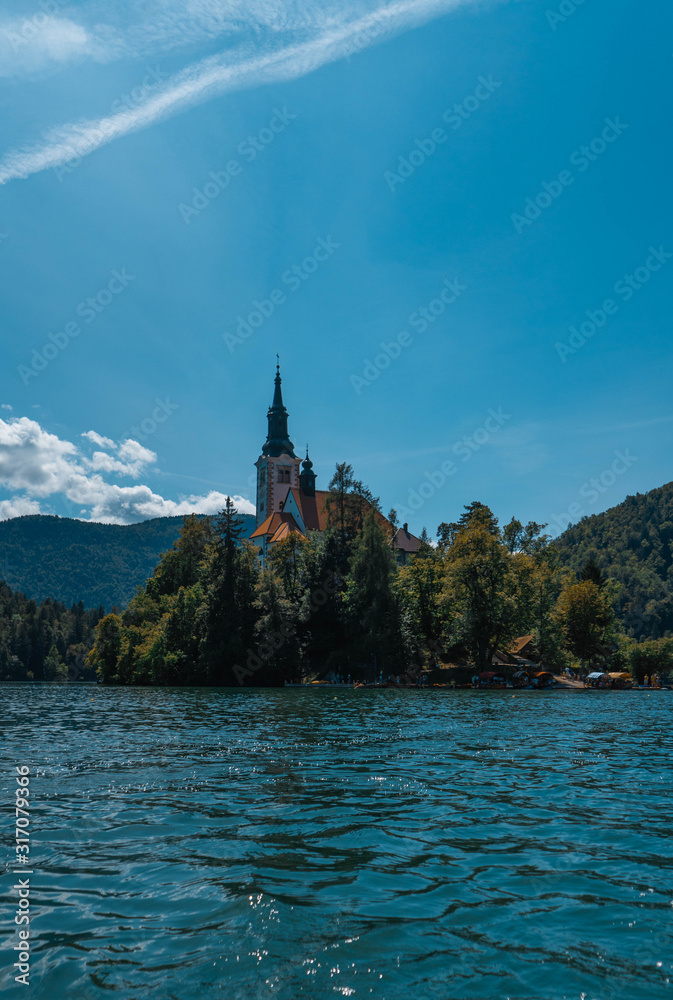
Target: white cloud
102	442
17	507
125	504
39	465
276	44
6	406
131	461
134	452
33	460
28	45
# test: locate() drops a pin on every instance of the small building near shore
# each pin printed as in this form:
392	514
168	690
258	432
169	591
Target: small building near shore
520	653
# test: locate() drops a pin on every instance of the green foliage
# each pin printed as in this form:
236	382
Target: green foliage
230	580
347	503
71	561
585	616
46	641
106	652
210	614
653	656
631	544
278	652
54	669
194	619
419	586
480	586
371	608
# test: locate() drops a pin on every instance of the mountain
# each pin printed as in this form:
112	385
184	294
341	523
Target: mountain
633	544
72	561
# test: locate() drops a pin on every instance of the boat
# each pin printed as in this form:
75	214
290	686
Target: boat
597	679
621	680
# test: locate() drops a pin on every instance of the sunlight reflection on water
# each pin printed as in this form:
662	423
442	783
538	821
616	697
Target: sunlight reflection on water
388	844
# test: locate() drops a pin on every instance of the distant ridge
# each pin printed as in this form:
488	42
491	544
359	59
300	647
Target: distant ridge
71	561
633	544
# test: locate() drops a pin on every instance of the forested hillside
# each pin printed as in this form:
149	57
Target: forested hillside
71	561
632	544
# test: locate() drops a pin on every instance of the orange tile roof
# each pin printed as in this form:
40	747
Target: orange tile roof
312	509
285	530
314	514
272	523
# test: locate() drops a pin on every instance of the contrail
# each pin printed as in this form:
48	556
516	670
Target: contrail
214	76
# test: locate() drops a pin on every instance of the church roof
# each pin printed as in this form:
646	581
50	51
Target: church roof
272	524
314	514
312	509
285	530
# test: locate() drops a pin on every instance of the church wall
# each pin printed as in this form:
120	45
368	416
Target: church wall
270	491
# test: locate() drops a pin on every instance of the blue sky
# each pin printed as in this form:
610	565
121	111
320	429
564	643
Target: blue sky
408	139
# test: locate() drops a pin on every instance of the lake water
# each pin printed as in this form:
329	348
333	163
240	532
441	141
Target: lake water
398	845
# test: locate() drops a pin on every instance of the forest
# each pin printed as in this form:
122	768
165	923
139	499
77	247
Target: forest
70	561
46	641
633	545
338	601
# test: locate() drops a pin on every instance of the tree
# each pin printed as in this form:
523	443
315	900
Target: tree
528	539
654	656
106	650
230	599
419	585
285	560
585	617
277	654
372	611
54	668
592	571
347	503
181	565
478	598
393	522
322	628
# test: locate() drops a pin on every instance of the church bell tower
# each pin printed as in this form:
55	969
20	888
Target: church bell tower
277	466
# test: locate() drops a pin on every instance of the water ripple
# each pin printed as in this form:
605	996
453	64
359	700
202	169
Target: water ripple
390	844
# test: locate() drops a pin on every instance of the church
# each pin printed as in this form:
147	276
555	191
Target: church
287	500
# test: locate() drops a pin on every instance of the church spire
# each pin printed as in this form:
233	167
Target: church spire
307	476
278	437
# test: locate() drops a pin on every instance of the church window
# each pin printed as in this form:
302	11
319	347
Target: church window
283	475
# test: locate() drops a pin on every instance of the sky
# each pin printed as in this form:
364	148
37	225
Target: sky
451	220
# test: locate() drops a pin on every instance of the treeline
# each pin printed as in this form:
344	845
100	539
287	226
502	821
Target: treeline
46	641
633	545
338	601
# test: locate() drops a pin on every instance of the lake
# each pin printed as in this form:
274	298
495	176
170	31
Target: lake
397	845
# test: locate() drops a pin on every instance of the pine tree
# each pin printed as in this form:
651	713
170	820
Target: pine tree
277	654
230	600
373	613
